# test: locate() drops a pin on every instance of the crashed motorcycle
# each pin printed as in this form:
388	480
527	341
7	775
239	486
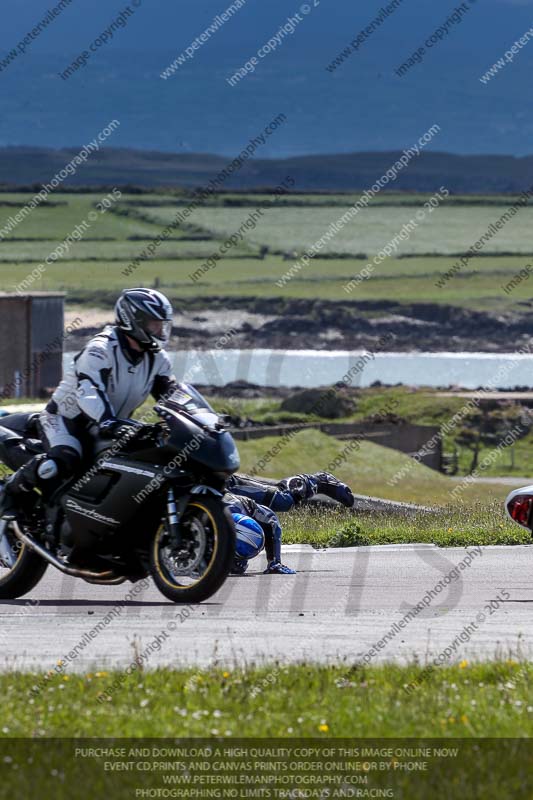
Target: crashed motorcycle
149	503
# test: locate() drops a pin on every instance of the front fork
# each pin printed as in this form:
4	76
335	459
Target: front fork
174	513
175	509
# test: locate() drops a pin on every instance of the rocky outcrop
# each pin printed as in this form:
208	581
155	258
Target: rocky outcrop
309	324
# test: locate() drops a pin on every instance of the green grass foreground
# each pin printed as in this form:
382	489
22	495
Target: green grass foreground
466	700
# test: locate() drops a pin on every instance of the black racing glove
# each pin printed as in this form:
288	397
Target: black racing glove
118	428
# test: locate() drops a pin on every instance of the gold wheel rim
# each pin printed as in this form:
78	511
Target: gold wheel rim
157	538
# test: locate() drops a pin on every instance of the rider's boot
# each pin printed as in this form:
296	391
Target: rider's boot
8	501
329	485
19	493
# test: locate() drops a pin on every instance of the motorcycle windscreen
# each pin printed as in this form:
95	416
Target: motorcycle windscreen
215	450
189	399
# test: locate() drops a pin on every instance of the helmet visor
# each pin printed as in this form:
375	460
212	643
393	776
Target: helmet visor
159	329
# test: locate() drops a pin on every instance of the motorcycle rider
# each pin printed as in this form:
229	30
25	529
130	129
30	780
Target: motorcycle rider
271	527
104	384
290	492
102	387
260	501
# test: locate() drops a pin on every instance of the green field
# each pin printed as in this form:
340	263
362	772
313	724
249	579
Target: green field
366	469
251	267
418	406
474	515
98	282
445	230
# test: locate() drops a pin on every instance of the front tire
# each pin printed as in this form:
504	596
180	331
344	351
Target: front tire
201	565
21	568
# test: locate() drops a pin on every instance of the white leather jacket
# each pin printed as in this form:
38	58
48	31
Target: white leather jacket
108	380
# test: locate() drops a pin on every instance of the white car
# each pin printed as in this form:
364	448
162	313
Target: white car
519	505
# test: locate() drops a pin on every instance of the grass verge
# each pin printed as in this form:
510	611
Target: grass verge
449	527
465	700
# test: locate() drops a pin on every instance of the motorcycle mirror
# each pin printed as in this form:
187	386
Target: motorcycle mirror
223	422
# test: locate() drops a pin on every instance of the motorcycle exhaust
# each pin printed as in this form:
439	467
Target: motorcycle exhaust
106	578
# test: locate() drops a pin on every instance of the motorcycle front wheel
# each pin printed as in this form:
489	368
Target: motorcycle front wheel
197	568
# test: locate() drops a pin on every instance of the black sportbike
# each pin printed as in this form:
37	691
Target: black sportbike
147	503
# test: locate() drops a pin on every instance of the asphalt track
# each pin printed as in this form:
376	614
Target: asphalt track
341	603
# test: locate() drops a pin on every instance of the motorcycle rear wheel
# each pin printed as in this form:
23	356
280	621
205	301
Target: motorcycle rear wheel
200	566
21	568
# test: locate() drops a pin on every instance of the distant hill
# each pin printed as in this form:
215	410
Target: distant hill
27	167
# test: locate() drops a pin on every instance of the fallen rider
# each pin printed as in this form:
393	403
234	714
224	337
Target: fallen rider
253	505
290	492
257	528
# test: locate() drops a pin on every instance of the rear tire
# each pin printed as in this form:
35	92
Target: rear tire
25	573
213	549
